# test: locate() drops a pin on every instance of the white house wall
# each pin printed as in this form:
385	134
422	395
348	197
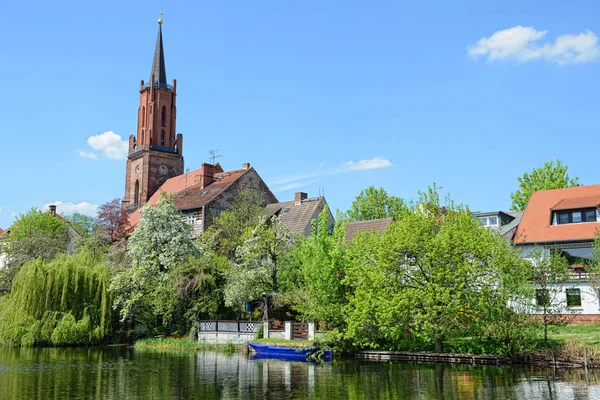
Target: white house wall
590	304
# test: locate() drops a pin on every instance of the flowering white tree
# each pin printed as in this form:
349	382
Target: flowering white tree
161	241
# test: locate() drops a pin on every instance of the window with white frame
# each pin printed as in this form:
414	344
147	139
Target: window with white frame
574	216
489	221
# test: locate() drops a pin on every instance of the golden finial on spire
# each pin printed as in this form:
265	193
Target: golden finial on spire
160	21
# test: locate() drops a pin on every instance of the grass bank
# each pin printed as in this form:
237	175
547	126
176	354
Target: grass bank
183	344
588	335
576	346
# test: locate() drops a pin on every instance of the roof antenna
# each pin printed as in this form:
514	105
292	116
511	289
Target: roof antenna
186	177
214	155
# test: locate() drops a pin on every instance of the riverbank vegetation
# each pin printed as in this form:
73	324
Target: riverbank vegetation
65	301
183	344
435	280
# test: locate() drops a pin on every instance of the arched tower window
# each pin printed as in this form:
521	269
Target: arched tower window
136	193
163	116
143	117
162	138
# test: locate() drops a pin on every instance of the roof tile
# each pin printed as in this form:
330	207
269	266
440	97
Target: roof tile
379	225
297	217
535	226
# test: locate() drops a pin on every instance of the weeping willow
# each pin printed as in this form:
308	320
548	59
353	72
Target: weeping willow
63	302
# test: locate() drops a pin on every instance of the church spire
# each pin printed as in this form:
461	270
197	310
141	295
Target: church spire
159	72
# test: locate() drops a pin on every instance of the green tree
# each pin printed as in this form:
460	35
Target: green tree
65	301
592	267
35	234
374	203
319	260
230	226
198	284
260	259
549	176
161	241
83	224
549	272
434	276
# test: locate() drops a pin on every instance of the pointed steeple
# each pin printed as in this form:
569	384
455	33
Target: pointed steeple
159	72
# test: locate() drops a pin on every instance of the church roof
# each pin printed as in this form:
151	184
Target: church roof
188	191
159	72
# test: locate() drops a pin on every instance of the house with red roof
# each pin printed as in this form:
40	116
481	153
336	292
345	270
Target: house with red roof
201	195
565	220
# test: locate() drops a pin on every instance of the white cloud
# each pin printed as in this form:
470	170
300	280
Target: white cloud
293	185
0	210
109	143
87	155
69	208
303	180
365	165
522	44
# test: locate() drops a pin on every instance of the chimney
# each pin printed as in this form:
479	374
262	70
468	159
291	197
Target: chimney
52	209
207	174
246	165
299	196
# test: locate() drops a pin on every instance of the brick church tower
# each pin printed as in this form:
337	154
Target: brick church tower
155	151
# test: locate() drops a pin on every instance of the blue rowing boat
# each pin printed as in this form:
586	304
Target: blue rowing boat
288	353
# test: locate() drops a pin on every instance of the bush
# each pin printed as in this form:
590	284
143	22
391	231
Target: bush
260	332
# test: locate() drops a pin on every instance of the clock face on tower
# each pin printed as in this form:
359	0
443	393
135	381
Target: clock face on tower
163	169
137	170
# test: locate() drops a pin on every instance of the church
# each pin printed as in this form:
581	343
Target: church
155	165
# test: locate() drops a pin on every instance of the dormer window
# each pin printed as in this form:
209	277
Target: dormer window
574	216
489	221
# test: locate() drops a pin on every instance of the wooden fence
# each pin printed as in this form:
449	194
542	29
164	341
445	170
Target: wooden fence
231	326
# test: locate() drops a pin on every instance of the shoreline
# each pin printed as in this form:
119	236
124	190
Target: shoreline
541	358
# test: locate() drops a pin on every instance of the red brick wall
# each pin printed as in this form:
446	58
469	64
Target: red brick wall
573	319
149	124
583	319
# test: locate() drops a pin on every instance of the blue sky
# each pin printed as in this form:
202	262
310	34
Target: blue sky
467	94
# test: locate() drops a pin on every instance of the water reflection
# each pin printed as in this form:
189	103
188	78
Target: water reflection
122	373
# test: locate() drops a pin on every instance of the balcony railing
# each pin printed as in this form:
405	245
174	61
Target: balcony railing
158	85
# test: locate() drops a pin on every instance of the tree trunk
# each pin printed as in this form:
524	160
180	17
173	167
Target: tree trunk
274	259
545	326
439	345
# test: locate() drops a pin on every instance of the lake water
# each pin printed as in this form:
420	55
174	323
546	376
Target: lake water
124	373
